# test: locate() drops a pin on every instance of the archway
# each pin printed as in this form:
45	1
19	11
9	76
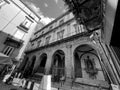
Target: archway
58	65
41	67
29	68
23	64
87	63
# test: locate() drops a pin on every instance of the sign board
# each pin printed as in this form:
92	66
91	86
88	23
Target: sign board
45	83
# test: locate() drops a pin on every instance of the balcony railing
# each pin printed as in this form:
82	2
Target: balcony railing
12	41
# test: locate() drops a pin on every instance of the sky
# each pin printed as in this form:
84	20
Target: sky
47	9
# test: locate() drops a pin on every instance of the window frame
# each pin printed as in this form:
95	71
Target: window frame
39	43
78	28
23	24
32	44
47	39
61	21
51	27
8	50
60	34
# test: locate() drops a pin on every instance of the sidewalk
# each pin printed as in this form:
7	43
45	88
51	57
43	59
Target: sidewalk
4	86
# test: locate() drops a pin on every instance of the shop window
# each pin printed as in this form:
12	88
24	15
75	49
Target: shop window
8	50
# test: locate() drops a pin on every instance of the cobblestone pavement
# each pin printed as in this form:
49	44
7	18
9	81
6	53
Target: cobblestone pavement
4	86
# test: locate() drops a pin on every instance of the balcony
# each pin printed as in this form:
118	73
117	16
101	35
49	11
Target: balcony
23	28
14	42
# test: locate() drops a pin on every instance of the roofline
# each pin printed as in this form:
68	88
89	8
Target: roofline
30	9
53	21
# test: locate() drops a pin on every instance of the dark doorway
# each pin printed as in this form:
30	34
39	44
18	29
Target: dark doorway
58	66
29	69
43	59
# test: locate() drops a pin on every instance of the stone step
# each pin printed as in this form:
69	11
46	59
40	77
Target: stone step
75	86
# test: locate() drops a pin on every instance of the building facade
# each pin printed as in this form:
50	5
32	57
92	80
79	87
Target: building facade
17	23
70	53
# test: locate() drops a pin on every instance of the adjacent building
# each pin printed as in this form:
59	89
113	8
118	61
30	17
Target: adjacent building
17	23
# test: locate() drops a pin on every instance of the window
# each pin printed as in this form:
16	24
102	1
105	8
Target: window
8	50
61	22
47	39
42	32
38	43
50	27
32	43
19	34
60	34
78	28
68	29
26	23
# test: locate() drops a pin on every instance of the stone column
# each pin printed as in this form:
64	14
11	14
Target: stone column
69	61
48	63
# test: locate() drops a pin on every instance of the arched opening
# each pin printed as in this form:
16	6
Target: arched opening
41	67
87	63
58	66
29	69
23	64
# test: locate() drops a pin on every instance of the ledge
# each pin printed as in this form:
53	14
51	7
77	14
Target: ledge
67	39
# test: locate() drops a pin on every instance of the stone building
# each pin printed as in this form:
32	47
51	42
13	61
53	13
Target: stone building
71	54
17	23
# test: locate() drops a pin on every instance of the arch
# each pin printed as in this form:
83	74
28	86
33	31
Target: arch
41	67
24	63
58	65
30	66
86	62
43	58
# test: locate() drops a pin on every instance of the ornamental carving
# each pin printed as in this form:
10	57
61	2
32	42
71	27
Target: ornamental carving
88	12
90	67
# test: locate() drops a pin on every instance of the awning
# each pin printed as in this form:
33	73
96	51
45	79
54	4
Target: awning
5	59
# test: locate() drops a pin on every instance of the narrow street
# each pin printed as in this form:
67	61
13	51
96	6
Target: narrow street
4	86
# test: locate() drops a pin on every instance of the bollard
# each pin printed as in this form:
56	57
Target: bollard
36	86
29	84
32	85
26	84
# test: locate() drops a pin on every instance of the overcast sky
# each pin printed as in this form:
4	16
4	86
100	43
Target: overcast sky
47	9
